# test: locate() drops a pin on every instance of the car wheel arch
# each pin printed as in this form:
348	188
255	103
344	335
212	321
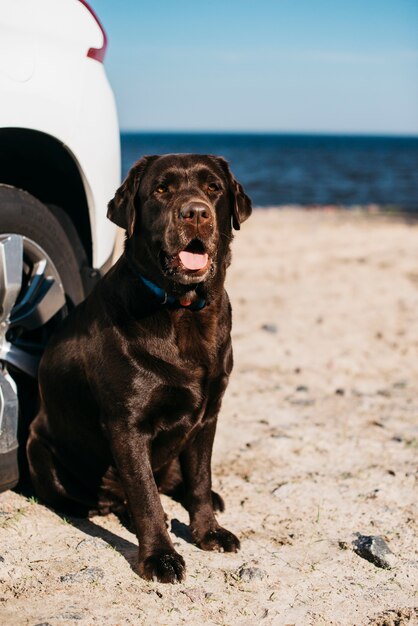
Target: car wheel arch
44	167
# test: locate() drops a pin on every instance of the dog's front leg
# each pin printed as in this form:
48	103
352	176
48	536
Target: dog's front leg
196	468
158	559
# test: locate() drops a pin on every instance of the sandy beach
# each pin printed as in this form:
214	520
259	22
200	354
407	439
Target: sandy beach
317	441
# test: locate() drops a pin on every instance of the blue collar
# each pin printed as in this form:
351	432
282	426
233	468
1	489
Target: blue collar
165	298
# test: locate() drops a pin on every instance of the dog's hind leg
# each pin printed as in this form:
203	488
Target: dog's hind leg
170	482
112	499
53	483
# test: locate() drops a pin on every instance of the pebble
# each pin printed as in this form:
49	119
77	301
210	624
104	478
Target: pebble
195	594
248	574
282	490
94	542
270	328
88	575
374	548
301	401
211	596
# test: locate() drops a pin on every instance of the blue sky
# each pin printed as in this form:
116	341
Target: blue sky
264	65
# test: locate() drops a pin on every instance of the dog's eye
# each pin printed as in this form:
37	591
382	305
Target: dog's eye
161	189
213	187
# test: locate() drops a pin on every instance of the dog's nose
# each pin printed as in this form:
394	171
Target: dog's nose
195	212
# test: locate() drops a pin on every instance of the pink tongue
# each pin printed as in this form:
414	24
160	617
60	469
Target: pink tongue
192	260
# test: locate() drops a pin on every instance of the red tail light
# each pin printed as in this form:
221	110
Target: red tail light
96	53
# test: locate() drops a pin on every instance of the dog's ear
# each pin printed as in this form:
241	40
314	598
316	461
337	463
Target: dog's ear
122	209
241	207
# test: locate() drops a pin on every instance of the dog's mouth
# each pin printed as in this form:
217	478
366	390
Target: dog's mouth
193	260
194	257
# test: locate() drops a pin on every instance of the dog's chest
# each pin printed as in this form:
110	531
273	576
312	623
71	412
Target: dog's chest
197	338
195	361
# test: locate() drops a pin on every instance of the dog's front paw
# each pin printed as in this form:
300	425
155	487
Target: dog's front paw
163	567
220	540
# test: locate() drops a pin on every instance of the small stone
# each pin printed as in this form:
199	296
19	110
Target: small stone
374	548
279	435
94	542
248	574
339	392
302	388
270	328
1	559
195	594
211	596
301	401
88	575
281	490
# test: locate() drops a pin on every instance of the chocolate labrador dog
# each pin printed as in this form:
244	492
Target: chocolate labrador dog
132	383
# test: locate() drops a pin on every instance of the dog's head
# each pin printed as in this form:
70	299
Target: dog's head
178	211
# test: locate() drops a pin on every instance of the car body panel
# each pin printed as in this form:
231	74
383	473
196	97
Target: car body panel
49	84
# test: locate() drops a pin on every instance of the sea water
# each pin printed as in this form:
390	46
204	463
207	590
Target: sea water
285	169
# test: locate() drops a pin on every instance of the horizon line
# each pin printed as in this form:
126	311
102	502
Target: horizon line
171	131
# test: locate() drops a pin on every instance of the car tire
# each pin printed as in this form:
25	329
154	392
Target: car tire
40	233
23	214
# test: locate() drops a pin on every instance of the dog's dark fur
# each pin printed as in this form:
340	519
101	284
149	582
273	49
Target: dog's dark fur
131	386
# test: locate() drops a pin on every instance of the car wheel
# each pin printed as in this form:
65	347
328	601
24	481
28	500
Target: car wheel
39	282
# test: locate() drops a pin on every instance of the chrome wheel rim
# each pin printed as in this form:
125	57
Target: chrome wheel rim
31	296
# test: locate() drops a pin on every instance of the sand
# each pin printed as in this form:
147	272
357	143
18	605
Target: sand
317	441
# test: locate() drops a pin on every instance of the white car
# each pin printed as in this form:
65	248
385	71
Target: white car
59	167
